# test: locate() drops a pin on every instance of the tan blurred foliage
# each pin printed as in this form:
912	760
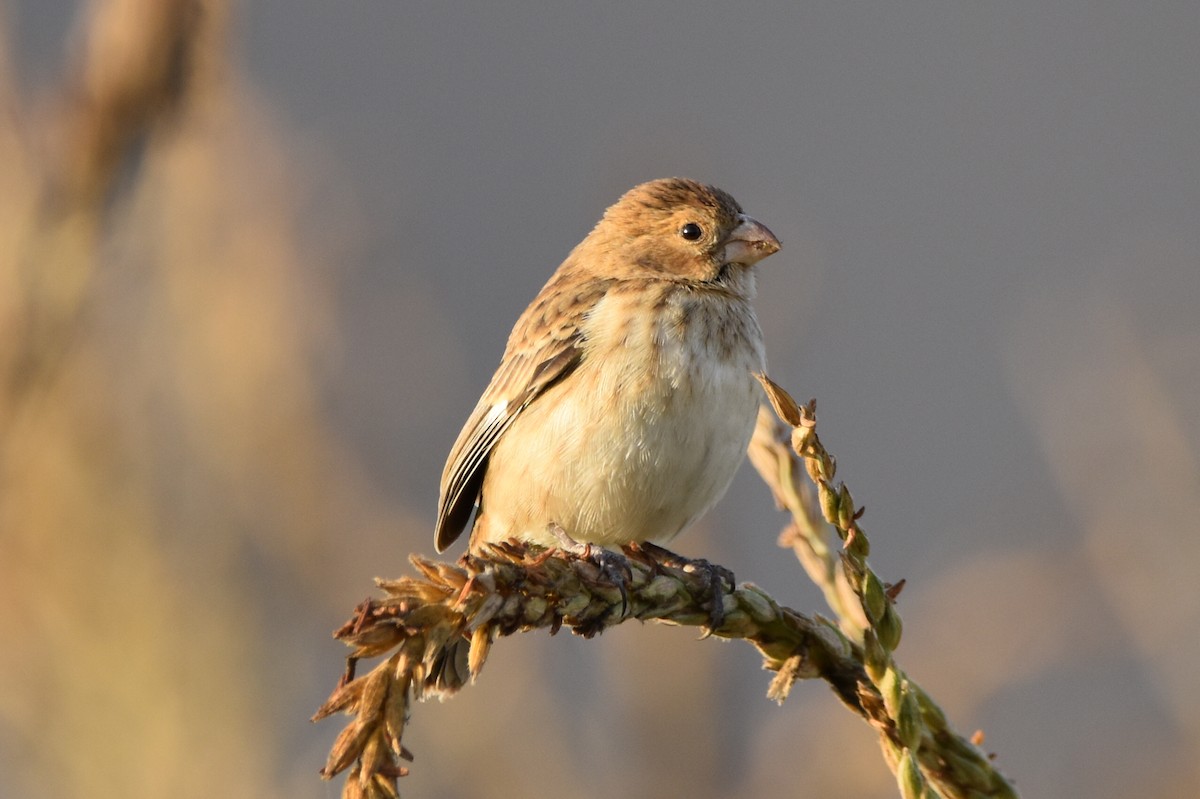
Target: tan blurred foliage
158	417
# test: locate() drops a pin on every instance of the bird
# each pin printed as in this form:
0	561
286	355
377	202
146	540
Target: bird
626	395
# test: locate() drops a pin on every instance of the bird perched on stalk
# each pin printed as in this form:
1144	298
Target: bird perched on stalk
626	396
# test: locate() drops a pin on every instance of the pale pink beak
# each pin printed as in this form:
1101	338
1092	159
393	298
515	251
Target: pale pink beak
749	243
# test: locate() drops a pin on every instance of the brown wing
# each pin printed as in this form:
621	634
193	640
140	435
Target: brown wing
531	364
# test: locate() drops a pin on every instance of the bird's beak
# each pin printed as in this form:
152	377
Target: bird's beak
749	243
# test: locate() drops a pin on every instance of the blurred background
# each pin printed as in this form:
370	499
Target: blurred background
257	262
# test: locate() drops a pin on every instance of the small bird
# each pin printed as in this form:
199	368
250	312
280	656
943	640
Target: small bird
626	396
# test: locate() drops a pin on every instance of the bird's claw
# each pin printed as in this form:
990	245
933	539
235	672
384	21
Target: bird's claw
614	567
716	574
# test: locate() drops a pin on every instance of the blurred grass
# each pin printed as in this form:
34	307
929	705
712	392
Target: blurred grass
159	422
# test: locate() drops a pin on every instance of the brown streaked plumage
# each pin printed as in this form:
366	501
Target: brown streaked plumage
625	398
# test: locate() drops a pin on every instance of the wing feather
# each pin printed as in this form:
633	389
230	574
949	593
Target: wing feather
522	377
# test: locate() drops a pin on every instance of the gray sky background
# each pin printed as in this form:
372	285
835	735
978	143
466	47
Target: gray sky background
990	281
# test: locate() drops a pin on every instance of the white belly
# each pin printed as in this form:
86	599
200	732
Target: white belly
638	442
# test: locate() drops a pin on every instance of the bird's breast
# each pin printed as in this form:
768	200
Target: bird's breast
626	397
672	339
647	433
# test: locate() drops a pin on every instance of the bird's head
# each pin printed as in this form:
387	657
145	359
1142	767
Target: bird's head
682	230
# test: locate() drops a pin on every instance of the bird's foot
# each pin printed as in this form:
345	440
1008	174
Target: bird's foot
613	566
716	574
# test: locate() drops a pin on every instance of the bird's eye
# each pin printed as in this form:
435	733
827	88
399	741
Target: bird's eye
691	231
